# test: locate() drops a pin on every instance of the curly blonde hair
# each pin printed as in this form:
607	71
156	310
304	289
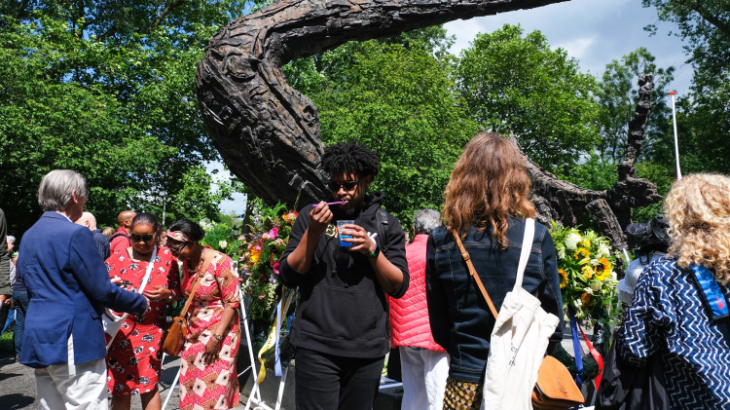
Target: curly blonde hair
698	207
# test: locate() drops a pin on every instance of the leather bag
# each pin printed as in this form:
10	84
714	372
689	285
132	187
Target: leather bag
174	338
555	388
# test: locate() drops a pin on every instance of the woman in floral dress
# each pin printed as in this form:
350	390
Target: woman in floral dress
133	361
208	377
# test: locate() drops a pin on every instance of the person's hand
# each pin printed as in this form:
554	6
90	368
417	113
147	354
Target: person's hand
148	304
158	293
116	281
360	240
319	218
212	348
5	299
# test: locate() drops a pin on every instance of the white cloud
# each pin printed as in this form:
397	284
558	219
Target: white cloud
576	48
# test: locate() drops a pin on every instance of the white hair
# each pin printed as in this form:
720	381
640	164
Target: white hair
11	238
425	221
56	189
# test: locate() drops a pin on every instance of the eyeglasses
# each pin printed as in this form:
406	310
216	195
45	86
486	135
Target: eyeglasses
177	248
140	238
334	186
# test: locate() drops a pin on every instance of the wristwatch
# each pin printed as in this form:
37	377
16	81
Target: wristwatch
376	252
217	337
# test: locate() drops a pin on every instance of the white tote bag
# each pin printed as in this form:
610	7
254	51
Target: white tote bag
518	343
113	322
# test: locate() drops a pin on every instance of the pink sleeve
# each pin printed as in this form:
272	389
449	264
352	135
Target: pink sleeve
227	283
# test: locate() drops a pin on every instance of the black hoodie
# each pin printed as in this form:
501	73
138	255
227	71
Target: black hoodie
343	310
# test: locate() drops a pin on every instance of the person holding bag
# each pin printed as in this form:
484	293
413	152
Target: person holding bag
487	210
133	359
208	377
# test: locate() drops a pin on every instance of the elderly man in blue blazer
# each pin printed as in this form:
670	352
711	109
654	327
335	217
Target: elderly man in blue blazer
69	287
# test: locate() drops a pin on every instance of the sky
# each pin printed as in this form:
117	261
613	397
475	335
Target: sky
595	32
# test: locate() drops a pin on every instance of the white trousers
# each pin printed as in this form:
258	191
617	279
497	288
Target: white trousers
73	386
424	378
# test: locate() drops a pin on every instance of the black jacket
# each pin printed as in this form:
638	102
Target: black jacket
460	318
343	310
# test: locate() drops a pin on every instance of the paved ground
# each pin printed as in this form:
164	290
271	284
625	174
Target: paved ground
17	386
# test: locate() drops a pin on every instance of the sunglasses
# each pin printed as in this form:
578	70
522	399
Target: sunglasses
140	238
177	248
334	186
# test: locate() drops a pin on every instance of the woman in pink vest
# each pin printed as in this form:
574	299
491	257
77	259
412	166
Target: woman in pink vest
425	364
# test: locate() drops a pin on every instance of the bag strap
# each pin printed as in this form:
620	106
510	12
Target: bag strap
524	256
147	274
207	261
473	273
381	217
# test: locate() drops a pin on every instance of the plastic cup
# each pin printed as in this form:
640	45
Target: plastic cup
340	224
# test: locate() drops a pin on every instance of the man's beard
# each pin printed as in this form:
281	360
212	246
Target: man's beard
351	211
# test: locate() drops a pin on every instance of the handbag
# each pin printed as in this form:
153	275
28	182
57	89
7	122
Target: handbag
522	334
174	338
113	322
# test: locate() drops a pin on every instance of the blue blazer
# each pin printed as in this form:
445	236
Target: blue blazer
69	287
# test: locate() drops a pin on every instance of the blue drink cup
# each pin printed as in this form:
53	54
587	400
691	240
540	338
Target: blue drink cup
340	224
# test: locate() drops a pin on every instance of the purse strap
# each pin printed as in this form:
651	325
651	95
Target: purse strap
524	256
207	261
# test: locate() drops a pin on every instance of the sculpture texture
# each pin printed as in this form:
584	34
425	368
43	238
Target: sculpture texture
268	133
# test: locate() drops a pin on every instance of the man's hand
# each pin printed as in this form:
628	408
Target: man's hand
157	294
360	240
212	348
319	218
5	299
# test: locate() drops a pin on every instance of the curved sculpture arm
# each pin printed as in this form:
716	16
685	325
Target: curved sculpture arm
267	132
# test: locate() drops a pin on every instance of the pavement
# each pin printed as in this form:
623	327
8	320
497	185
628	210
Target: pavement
18	390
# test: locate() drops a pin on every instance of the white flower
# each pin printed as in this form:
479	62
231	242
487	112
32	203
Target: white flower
588	290
205	224
571	242
578	303
223	244
603	251
561	252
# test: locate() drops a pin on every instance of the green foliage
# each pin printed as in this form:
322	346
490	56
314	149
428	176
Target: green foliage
595	173
618	94
394	96
108	91
6	344
221	237
663	177
519	84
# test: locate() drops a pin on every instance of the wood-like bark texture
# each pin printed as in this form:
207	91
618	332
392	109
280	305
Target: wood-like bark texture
267	132
611	209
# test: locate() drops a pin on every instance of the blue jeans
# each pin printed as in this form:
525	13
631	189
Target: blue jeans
21	307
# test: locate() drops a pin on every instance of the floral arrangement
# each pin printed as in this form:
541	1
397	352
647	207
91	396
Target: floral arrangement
220	236
261	251
586	266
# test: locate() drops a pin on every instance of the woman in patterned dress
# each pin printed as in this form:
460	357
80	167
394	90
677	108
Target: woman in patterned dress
133	361
208	378
667	316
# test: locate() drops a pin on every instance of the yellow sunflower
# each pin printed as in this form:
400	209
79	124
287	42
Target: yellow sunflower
585	298
604	269
563	278
582	253
587	272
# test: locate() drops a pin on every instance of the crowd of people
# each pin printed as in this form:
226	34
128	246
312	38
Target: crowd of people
364	291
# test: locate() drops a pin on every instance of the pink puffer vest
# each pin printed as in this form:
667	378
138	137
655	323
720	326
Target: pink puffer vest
409	325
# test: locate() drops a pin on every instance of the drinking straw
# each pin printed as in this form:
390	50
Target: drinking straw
331	203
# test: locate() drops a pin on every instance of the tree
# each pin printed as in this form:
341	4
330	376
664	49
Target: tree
394	96
106	89
618	94
516	84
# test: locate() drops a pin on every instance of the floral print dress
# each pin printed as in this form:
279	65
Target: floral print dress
133	361
214	386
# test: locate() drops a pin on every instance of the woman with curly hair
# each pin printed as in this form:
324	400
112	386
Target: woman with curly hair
668	316
487	204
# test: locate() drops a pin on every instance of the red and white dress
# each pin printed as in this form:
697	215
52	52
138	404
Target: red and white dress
133	361
214	386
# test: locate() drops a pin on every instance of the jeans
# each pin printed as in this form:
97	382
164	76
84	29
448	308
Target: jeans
326	382
21	307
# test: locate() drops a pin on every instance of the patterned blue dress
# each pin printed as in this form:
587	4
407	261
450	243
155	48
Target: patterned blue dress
667	318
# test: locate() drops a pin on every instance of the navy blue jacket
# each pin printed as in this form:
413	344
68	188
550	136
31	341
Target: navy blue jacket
460	318
68	286
102	244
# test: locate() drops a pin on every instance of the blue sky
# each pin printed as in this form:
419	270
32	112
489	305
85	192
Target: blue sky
593	31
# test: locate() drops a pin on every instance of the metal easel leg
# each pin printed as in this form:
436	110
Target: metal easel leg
281	388
172	387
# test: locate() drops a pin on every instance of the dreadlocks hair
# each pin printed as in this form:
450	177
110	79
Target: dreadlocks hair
350	158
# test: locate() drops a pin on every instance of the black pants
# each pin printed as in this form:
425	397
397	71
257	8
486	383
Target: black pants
325	382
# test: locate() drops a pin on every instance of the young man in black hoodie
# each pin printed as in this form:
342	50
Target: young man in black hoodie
341	326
